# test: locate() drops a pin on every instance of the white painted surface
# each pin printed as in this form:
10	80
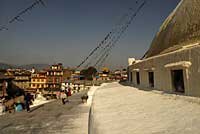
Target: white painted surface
121	109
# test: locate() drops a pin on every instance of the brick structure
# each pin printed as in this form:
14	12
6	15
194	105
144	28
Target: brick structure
55	77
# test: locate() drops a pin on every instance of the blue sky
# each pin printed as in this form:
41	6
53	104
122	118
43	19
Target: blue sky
66	30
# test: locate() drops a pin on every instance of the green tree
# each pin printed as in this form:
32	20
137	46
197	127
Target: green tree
89	73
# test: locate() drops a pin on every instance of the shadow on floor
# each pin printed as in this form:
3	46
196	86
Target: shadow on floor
124	83
150	89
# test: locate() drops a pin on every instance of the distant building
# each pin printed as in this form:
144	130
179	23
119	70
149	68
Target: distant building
76	75
55	77
104	74
67	73
22	79
116	75
39	80
172	63
67	78
124	75
120	74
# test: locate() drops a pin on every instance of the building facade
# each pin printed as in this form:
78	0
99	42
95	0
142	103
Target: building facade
55	77
22	79
104	74
177	71
39	81
172	63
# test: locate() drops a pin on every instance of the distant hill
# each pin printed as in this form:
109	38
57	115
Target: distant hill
28	66
6	66
36	66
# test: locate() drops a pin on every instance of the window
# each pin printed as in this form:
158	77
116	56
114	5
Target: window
57	80
50	80
33	85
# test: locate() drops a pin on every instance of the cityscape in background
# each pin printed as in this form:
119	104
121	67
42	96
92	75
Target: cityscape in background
52	79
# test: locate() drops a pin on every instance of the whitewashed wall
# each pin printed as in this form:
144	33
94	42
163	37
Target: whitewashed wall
162	75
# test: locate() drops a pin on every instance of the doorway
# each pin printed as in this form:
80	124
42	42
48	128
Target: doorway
178	80
138	78
151	79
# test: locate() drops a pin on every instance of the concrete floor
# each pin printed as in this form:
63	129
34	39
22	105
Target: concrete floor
53	117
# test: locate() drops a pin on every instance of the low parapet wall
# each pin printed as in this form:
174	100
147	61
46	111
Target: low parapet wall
94	118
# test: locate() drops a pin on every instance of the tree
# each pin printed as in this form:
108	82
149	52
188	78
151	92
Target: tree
89	73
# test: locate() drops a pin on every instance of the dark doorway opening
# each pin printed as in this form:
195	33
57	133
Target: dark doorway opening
151	79
178	80
138	78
